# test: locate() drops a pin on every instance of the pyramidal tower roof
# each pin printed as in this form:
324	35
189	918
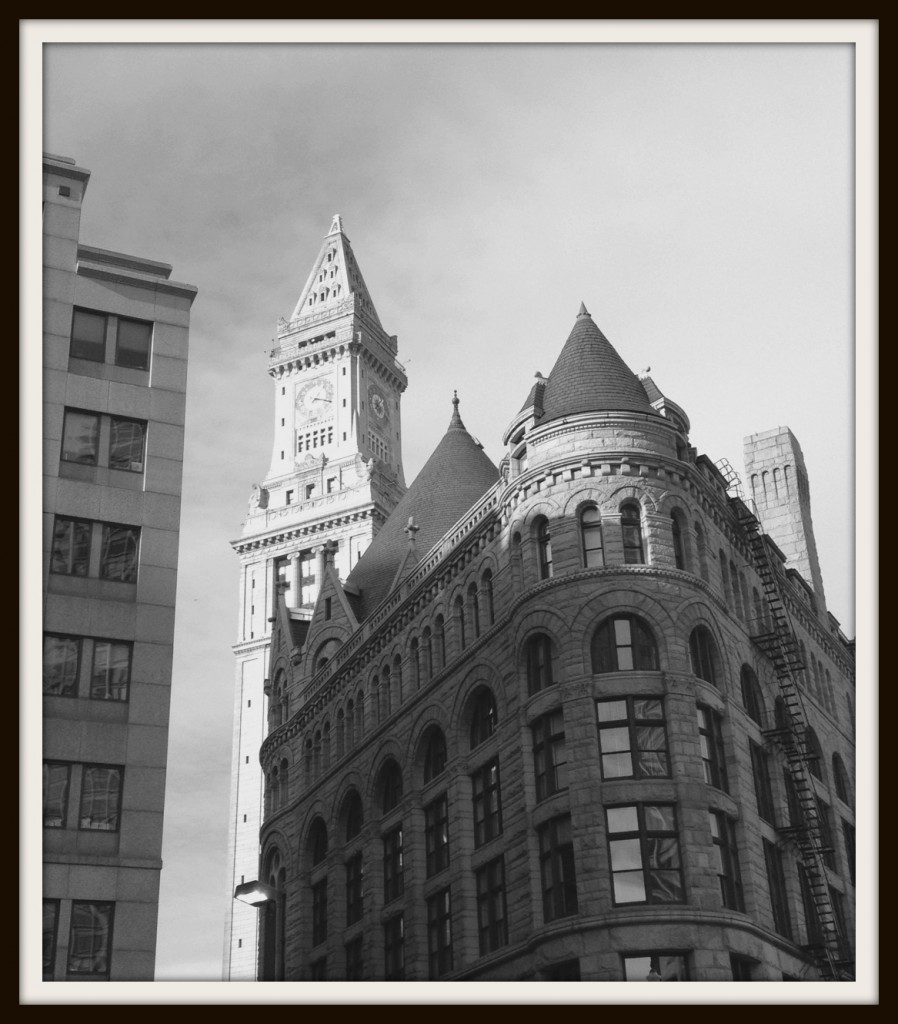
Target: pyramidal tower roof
589	376
335	276
453	479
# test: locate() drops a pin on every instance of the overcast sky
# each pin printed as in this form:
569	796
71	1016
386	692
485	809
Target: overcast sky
697	198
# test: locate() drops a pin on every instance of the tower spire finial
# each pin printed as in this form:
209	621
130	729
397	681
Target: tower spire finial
583	310
456	419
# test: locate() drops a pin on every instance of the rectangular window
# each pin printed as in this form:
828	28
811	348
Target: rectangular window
710	737
354	898
56	793
645	854
70	555
354	963
848	839
51	924
439	934
80	437
492	925
62	665
393	880
110	673
723	835
776	881
118	553
824	816
487	803
813	931
394	949
127	440
319	912
101	797
556	864
655	967
132	343
436	835
633	738
90	939
760	766
88	336
742	967
549	758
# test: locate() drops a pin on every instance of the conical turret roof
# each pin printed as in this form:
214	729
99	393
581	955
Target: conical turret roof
335	276
589	376
453	479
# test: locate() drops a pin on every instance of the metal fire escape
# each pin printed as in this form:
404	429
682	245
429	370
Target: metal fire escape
775	637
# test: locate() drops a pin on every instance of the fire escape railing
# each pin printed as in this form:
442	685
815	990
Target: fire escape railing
777	640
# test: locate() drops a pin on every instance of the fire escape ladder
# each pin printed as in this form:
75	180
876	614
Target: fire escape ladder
776	638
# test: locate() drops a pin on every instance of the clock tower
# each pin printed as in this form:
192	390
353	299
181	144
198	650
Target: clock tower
335	476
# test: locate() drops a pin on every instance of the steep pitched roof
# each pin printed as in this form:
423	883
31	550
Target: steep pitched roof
335	275
589	376
454	478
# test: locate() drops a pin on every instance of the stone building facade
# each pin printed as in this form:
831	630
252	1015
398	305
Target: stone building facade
115	336
572	717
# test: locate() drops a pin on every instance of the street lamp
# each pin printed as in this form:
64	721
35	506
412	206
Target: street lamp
255	893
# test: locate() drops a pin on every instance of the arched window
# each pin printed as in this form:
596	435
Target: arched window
359	715
830	696
283	791
737	597
376	700
624	643
781	714
483	717
474	602
397	676
760	619
725	579
427	654
591	538
352	815
439	644
390	786
704	655
538	659
272	922
341	733
326	746
702	549
746	607
309	761
350	724
486	585
316	754
434	753
631	530
679	540
543	547
459	607
840	779
813	754
415	651
317	841
386	692
752	698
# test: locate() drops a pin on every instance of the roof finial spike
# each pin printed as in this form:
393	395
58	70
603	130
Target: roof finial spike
456	419
583	310
336	225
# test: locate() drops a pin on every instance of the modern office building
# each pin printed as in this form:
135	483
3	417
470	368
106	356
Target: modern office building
581	715
115	335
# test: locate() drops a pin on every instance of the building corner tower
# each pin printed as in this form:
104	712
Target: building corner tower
335	476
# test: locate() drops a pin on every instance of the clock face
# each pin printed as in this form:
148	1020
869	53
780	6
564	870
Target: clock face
378	403
315	400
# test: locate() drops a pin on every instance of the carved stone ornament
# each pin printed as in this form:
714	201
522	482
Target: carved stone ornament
258	498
